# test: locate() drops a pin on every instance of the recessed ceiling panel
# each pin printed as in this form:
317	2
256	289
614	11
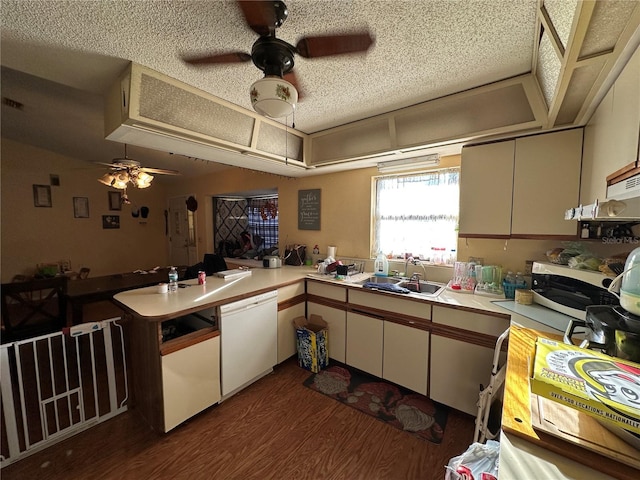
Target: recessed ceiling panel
581	82
561	13
548	68
175	106
607	22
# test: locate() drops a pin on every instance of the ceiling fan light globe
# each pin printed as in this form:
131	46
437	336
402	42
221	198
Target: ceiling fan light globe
273	97
142	179
120	181
106	179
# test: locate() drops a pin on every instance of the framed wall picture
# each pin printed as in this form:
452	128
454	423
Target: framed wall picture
309	209
80	207
110	221
42	195
115	201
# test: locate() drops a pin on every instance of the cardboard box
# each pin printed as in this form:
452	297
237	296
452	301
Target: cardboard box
312	340
599	385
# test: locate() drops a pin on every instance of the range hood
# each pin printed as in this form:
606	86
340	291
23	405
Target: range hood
621	205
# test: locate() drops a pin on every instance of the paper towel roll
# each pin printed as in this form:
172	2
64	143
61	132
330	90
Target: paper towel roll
331	251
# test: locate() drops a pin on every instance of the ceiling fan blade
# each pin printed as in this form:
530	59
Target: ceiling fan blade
114	166
324	46
231	57
261	15
293	80
160	171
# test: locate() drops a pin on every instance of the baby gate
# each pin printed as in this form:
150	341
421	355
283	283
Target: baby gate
57	385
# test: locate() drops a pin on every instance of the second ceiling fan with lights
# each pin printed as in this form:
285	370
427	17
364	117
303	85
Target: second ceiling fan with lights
125	171
276	94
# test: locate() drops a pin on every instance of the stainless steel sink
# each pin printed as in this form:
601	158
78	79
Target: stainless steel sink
374	279
428	289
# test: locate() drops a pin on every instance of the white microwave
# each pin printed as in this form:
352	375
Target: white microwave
570	290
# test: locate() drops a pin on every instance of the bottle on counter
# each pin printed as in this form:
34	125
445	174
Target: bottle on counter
173	279
381	265
584	233
510	278
520	281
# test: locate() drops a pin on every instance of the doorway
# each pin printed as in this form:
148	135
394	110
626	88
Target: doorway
182	233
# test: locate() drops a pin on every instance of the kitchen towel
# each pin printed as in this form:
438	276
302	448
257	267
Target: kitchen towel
394	405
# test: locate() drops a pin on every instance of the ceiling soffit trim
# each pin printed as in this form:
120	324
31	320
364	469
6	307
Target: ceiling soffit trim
151	110
512	105
576	68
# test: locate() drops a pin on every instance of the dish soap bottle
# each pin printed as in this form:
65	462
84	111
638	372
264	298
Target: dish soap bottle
381	266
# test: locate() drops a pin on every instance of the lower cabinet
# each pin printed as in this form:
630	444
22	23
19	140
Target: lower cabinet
337	322
364	343
406	356
457	370
329	301
388	350
462	348
190	381
291	304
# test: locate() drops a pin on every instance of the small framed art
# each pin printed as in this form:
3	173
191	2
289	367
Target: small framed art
80	207
115	201
42	195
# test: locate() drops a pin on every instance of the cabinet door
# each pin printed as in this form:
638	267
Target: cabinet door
546	183
406	356
287	332
457	371
190	381
337	321
486	186
364	343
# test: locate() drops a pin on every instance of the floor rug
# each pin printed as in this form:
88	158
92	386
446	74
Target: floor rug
385	401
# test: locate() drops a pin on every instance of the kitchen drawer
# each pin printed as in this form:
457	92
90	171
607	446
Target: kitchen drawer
475	322
290	291
327	291
389	303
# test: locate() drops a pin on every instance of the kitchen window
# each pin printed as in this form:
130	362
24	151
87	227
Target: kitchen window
417	214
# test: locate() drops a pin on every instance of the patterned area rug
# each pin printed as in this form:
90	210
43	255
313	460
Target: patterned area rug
385	401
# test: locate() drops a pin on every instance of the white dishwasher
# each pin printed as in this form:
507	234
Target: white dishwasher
248	341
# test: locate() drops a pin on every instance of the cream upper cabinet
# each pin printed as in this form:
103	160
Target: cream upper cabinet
486	186
521	187
546	182
611	136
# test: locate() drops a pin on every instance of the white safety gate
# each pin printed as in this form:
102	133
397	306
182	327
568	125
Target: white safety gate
57	385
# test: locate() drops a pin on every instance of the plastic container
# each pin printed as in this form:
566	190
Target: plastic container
173	280
512	283
381	266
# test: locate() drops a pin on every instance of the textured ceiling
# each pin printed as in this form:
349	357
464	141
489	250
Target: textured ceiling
424	49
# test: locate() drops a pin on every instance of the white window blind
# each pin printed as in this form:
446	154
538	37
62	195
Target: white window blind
417	213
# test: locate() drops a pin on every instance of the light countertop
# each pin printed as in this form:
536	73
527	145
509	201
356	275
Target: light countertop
151	305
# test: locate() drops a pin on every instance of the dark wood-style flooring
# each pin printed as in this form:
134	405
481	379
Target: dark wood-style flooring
274	429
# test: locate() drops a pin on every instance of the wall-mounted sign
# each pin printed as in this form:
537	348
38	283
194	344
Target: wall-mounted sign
309	209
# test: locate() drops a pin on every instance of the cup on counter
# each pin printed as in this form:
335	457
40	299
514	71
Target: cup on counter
162	288
331	251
